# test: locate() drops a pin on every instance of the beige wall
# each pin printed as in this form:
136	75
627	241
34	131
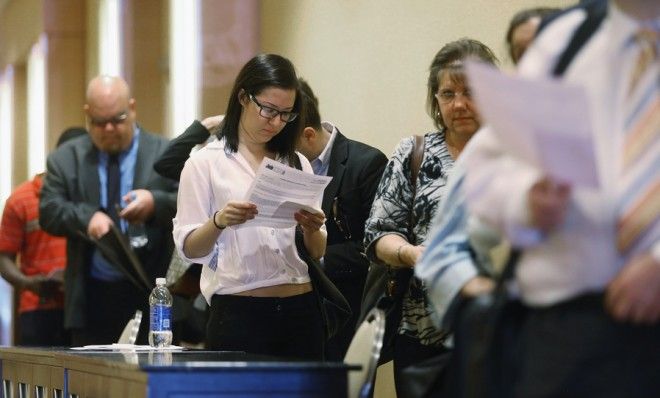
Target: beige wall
21	23
367	60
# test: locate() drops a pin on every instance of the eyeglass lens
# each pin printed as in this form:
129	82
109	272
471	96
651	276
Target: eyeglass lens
447	96
115	120
270	113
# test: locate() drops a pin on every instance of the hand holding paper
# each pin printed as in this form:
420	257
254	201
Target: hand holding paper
279	191
310	220
236	212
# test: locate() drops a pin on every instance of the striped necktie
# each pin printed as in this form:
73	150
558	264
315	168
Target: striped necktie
640	171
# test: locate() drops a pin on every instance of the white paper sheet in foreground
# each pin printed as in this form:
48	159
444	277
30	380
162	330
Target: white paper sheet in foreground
544	122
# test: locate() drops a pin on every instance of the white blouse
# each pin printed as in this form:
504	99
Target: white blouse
244	258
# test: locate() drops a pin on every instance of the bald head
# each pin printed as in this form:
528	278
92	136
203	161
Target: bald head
102	87
111	113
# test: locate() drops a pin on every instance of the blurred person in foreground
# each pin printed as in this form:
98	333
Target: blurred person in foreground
589	273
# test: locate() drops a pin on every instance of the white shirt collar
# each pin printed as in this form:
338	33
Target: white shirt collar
324	157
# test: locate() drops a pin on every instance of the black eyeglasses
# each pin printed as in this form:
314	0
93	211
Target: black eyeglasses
269	113
340	218
115	120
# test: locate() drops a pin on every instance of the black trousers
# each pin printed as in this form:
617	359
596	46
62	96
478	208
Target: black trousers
110	305
575	349
42	328
288	327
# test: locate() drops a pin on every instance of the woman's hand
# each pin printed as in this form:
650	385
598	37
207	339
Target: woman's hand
200	242
408	254
394	250
309	222
314	238
234	213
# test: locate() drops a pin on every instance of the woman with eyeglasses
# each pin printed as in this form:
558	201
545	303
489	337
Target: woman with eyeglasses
258	288
402	213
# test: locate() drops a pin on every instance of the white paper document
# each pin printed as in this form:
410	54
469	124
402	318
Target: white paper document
128	347
544	122
279	191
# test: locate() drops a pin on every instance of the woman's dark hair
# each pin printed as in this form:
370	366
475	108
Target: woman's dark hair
262	72
523	16
450	58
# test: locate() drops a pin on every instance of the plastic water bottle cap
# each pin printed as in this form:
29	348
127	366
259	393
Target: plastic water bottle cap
161	281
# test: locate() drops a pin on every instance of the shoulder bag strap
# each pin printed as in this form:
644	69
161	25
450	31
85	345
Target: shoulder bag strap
415	163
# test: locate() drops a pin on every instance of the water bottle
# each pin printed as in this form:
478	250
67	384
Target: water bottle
160	319
137	235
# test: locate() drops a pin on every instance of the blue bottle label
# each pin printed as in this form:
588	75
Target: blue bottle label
160	318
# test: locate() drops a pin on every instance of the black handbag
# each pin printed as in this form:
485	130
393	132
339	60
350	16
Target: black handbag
486	335
384	289
334	308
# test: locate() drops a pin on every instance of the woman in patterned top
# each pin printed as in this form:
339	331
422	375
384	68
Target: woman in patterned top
397	204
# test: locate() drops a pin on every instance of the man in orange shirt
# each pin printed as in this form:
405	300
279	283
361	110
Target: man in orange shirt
42	261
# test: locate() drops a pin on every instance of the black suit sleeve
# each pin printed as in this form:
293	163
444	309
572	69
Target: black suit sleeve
171	162
347	256
61	211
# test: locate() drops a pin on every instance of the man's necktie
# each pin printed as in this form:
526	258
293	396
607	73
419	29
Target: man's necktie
113	190
640	207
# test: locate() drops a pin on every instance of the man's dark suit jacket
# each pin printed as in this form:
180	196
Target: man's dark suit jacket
355	169
70	196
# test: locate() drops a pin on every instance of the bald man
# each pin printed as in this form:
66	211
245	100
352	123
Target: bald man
93	182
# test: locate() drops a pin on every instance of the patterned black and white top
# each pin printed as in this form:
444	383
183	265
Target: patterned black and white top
390	214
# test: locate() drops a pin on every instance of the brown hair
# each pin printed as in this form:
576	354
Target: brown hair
450	59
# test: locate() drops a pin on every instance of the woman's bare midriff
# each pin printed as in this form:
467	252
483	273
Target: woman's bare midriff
286	290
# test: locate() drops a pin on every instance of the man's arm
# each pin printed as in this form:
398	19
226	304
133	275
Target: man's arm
59	215
447	266
39	284
172	160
